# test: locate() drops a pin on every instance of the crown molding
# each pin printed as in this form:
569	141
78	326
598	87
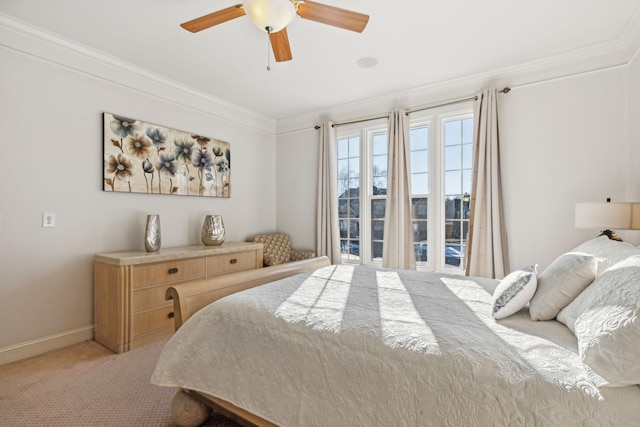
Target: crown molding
30	40
589	59
25	38
631	36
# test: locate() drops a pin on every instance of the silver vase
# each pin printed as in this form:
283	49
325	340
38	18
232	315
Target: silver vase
213	230
152	239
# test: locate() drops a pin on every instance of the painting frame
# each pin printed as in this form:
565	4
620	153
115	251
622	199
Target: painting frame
144	157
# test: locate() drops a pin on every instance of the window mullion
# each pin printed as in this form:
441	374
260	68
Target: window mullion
436	208
366	183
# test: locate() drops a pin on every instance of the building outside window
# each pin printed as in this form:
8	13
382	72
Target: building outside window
441	147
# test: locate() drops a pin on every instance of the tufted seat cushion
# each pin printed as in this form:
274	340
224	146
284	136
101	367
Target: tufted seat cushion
277	249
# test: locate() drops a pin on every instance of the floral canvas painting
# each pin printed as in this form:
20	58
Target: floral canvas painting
142	157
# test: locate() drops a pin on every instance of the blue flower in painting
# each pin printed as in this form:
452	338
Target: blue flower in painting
122	126
157	136
167	164
147	166
184	149
223	166
202	159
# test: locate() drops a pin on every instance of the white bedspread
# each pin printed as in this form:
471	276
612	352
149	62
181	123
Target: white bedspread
355	346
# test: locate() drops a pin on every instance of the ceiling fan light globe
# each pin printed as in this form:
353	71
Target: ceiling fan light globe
275	14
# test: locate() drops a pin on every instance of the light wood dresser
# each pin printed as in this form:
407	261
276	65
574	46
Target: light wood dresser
129	288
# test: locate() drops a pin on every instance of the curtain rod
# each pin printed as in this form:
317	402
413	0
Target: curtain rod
355	121
457	101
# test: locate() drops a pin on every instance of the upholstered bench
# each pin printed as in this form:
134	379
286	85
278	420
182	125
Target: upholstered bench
277	249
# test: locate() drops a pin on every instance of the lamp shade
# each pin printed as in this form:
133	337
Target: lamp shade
618	216
272	14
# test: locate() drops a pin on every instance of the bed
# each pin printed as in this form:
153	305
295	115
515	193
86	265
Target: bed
312	344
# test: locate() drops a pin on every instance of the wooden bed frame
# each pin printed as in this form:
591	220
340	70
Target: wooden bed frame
192	408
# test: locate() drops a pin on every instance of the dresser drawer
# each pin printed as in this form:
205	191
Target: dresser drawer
228	263
168	272
152	320
149	298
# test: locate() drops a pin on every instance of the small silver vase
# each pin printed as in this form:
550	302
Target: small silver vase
152	239
213	230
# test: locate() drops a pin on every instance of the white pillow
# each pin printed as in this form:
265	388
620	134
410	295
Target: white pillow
608	252
514	291
560	283
607	323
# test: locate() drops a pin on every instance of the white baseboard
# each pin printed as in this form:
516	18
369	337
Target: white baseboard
42	345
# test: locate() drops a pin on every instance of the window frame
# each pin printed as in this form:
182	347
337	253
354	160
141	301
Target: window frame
367	165
434	119
348	135
436	214
365	133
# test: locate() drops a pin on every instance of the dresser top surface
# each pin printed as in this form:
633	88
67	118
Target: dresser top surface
174	253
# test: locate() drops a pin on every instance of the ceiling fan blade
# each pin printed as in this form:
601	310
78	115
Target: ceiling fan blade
280	45
334	16
214	18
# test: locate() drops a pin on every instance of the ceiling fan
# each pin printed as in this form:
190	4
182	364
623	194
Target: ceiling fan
273	16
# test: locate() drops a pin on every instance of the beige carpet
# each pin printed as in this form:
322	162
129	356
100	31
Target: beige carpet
87	385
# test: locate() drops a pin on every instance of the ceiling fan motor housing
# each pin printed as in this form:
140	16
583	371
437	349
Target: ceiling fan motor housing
270	15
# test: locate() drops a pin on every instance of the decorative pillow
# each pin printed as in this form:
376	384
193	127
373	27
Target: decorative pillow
514	291
608	252
608	323
560	283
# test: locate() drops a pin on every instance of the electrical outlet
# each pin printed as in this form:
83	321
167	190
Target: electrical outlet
48	219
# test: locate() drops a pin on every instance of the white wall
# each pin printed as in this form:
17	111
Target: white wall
563	141
633	192
51	138
296	182
633	140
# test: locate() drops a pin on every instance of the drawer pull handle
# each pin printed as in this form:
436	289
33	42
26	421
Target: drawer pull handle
233	261
171	315
173	270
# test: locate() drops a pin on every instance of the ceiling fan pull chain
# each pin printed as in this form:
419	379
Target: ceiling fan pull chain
268	47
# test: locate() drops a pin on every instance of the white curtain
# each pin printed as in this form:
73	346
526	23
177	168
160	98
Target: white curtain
398	250
327	230
486	241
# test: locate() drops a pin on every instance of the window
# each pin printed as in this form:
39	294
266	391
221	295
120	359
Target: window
378	191
362	196
349	197
444	198
441	148
419	146
458	164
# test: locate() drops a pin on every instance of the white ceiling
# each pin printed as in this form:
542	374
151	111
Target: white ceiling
417	43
